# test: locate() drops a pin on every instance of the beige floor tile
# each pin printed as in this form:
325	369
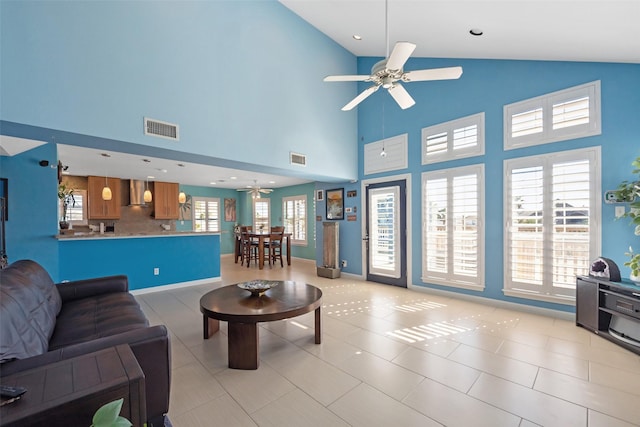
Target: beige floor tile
597	419
447	372
385	376
296	409
377	344
441	347
617	356
479	340
192	386
546	359
603	399
613	377
495	364
452	408
254	389
527	423
529	404
365	406
331	350
222	411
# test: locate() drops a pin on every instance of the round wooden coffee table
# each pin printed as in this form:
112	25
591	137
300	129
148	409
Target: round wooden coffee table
243	311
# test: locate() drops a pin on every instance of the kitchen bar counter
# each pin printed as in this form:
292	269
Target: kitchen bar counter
99	236
149	260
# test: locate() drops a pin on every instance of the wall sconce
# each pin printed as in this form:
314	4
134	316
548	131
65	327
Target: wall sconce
182	198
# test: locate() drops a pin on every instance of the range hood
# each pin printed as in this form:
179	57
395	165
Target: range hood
136	193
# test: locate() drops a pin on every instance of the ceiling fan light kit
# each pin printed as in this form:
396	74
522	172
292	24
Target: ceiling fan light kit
389	72
255	190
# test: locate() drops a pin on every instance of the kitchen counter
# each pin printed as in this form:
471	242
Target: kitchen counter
99	236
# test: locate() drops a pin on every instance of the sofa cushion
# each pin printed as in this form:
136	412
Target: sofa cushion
29	303
96	317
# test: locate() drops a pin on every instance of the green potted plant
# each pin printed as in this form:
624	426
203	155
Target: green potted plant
108	415
630	191
66	197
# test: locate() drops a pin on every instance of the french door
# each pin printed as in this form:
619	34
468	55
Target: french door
385	233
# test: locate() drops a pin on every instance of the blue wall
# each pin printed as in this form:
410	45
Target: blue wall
243	79
33	204
487	85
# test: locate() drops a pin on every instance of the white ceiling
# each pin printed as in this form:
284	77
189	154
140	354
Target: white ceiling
566	30
563	30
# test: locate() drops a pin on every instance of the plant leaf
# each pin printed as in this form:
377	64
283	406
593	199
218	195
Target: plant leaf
108	413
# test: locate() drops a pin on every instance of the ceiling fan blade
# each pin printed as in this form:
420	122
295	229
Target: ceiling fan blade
432	74
265	190
352	78
402	97
401	52
361	97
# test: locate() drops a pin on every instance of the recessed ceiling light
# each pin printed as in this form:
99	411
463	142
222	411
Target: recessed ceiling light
213	183
356	37
475	32
272	182
232	177
151	177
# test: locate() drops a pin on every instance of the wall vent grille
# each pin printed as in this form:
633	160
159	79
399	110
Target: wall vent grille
161	129
297	159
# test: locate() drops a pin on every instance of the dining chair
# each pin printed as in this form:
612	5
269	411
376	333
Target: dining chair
275	248
249	248
277	229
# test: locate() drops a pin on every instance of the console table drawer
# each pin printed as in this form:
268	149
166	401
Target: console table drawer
621	304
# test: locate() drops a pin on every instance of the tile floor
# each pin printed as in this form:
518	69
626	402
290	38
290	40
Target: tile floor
394	357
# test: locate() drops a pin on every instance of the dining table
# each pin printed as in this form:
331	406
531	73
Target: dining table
261	237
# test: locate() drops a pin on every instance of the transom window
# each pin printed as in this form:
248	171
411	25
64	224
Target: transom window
453	231
206	214
558	116
295	218
553	223
452	140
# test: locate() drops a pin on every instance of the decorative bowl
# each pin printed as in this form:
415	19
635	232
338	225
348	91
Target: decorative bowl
257	287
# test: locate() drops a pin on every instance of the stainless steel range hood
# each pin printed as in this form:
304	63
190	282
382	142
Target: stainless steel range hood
136	193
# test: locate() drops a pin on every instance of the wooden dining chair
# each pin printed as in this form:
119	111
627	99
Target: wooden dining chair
249	248
277	229
275	248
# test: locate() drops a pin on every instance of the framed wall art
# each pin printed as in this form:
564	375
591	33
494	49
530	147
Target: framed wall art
319	195
335	203
230	210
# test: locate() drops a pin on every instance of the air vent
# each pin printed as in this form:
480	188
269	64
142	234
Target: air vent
161	129
297	159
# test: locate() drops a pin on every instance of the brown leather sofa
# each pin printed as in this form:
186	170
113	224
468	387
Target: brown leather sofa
42	322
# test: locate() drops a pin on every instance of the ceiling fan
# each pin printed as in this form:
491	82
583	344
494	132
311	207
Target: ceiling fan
389	72
255	190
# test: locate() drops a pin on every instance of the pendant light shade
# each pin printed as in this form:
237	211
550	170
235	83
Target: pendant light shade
182	198
106	193
147	196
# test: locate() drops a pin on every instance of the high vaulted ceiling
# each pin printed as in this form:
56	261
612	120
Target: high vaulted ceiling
557	30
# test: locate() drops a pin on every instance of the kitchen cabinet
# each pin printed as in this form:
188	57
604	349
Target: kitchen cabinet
165	200
98	208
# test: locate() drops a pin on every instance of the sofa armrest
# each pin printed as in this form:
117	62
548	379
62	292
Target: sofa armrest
78	289
150	346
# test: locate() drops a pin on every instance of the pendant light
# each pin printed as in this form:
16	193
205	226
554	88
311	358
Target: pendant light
182	198
148	197
106	191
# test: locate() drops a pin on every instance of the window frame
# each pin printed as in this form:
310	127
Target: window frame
194	221
450	128
450	279
85	219
267	223
546	103
547	291
293	239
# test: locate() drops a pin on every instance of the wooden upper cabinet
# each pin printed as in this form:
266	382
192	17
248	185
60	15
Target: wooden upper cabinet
103	209
165	200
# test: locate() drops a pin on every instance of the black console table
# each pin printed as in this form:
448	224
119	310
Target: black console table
603	307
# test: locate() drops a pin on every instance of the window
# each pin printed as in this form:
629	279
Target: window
566	114
295	218
552	213
261	219
452	230
76	212
206	214
453	140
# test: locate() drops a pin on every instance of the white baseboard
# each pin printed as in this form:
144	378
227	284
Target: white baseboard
175	286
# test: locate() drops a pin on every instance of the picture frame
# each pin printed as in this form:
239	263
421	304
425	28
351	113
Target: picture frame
319	195
335	204
230	210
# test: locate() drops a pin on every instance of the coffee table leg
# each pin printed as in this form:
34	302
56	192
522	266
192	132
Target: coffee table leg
209	326
243	345
318	327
